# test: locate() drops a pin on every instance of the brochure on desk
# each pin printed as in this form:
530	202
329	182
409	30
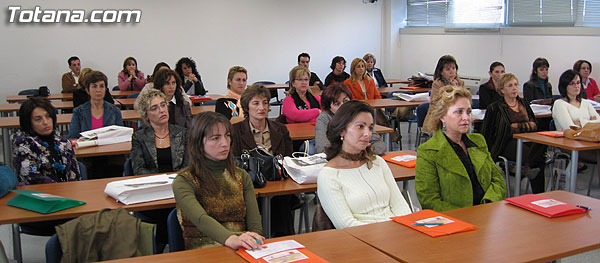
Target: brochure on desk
41	202
434	224
280	252
545	206
142	189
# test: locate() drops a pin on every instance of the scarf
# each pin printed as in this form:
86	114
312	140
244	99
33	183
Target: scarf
301	105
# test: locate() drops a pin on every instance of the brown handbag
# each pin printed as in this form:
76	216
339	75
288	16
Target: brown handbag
590	132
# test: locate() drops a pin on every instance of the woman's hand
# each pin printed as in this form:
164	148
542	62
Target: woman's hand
454	82
247	240
132	74
192	77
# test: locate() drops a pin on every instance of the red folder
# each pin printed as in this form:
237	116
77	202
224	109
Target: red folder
450	225
406	163
544	205
555	134
410	87
310	257
200	99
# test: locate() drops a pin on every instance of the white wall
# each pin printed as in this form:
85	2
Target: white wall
419	50
265	36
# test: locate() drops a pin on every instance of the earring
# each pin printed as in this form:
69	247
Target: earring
443	126
342	138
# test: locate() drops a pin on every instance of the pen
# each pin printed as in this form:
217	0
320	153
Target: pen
428	224
584	207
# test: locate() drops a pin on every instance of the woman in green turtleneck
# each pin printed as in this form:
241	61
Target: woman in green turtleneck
216	204
538	88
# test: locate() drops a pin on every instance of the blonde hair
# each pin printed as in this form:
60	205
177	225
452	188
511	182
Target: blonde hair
355	62
503	80
368	56
81	80
232	71
440	102
296	73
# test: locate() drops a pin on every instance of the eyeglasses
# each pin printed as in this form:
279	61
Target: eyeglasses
578	83
156	107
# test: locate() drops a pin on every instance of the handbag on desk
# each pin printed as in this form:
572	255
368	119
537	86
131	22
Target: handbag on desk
272	166
253	167
590	132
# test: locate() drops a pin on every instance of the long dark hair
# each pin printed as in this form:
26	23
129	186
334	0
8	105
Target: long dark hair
538	63
156	68
442	62
190	63
160	79
27	108
331	94
125	66
202	126
564	81
344	115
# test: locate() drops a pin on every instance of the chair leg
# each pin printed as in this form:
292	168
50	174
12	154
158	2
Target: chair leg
305	209
592	179
16	234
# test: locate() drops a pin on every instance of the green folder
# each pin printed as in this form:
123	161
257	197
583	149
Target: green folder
41	202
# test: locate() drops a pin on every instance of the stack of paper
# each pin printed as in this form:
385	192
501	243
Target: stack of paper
142	189
539	109
105	135
417	97
594	103
280	252
478	114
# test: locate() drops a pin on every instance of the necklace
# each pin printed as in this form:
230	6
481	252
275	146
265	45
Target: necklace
161	139
364	155
512	106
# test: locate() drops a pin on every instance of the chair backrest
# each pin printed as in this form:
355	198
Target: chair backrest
53	250
128	168
421	113
475	104
116	88
263	82
273	92
176	242
320	220
33	92
8	180
552	125
82	171
133	96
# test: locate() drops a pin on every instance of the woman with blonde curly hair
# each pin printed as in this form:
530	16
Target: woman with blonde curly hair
454	167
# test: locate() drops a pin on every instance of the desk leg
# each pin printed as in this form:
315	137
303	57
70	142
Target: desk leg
518	170
16	235
388	142
574	162
266	216
6	146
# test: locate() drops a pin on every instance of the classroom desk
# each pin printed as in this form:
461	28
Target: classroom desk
505	233
12	107
102	150
573	145
391	82
58	96
387	90
306	131
331	245
391	103
277	86
128	102
122	93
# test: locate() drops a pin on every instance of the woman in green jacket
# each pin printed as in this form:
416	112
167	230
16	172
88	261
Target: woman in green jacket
454	168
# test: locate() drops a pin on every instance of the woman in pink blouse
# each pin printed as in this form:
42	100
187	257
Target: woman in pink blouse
130	78
588	84
302	105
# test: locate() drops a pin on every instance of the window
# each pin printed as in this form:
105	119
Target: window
541	12
588	13
426	12
475	13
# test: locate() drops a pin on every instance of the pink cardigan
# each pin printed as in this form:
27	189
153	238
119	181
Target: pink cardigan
294	115
125	84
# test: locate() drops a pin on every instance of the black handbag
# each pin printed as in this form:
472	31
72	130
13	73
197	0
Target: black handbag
271	166
253	166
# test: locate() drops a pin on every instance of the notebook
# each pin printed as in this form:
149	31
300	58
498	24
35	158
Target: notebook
41	202
280	252
404	159
441	225
544	205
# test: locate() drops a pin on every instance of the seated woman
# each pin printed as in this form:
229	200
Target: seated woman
338	64
332	99
180	111
508	116
236	83
487	91
192	82
302	105
40	155
80	96
571	110
538	88
94	114
360	85
374	72
256	130
130	78
356	187
445	74
216	203
589	85
454	167
159	147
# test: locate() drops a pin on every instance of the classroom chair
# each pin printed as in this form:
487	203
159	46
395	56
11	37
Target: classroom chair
127	168
421	113
82	171
176	242
116	88
475	104
504	164
320	220
29	92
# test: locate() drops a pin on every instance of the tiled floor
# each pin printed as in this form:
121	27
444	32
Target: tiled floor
33	246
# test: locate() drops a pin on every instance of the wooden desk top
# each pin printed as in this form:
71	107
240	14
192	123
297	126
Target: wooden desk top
61	105
58	96
122	93
332	245
306	131
386	90
277	86
562	143
505	233
128	102
111	149
390	103
397	81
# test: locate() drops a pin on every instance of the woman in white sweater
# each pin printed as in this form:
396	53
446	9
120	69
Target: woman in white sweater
356	187
571	110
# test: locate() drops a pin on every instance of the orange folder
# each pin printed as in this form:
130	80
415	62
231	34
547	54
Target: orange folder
199	99
410	163
555	134
450	226
544	205
410	87
309	256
